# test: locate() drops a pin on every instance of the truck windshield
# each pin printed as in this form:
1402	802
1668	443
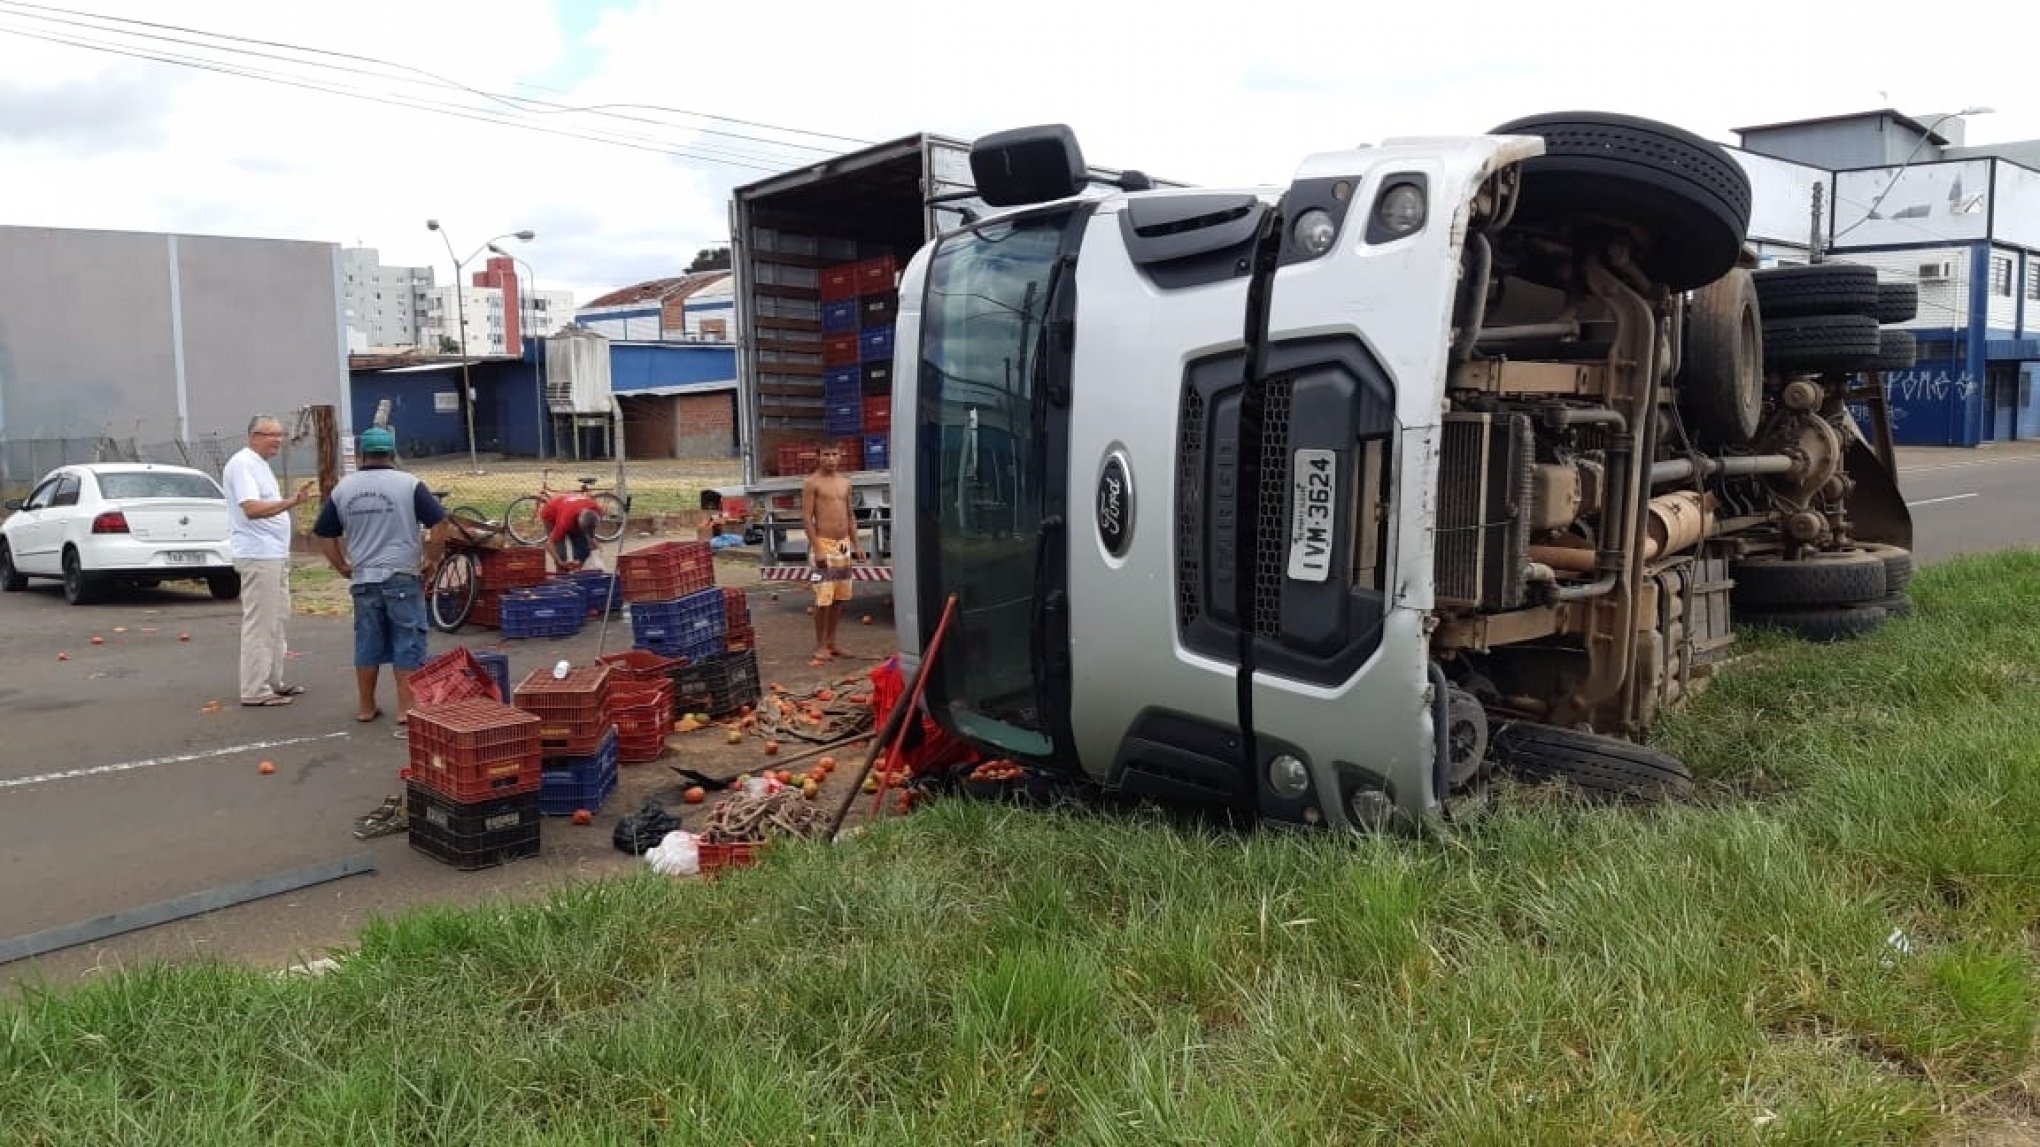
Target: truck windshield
981	374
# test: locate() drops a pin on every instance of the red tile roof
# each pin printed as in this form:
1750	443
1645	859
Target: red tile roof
656	290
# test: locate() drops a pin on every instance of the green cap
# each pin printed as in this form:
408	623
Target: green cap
378	440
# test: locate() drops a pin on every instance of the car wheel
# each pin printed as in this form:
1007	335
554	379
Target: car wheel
224	586
1602	768
1721	389
1817	289
79	587
1688	202
11	580
1842	577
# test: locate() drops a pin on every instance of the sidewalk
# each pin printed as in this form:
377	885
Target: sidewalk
1914	456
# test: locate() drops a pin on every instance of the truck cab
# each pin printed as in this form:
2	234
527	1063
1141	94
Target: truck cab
1322	503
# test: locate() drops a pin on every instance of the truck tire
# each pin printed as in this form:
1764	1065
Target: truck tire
1602	768
1897	302
1819	289
1836	623
1898	564
1841	577
1896	350
1687	198
1897	605
1721	387
1820	342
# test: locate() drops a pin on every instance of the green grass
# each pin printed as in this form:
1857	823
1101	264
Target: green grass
1711	973
657	486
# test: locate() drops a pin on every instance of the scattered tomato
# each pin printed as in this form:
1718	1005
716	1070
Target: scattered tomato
98	640
695	795
827	762
772	748
583	816
63	657
184	637
733	737
266	768
867	619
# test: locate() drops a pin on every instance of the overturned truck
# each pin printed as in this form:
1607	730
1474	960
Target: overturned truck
1325	503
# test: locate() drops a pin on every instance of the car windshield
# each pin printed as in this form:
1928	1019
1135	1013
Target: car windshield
129	485
988	290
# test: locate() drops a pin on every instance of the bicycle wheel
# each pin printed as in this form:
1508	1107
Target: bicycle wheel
610	527
522	520
455	585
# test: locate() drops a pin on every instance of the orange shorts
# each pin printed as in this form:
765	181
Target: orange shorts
831	576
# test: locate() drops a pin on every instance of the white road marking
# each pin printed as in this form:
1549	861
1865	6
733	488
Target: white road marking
1935	501
151	762
1968	465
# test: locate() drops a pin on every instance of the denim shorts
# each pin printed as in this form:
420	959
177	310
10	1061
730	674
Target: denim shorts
389	623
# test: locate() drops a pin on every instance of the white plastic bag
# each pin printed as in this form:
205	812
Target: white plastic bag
678	853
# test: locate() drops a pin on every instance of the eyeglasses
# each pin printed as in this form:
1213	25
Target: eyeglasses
267	434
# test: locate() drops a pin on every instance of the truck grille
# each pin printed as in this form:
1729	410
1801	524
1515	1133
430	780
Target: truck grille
1271	529
1190	510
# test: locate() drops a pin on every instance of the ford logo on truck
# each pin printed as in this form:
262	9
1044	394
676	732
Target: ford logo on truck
1115	506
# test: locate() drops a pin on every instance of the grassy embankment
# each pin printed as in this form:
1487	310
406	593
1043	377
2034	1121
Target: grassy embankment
1724	971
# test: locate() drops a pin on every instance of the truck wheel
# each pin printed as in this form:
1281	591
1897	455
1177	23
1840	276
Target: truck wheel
1721	388
1687	199
1897	302
1820	342
1819	289
1603	768
1842	577
1896	350
1836	623
1898	564
1897	605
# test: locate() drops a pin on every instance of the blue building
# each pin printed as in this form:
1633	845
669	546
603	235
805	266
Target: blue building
1905	195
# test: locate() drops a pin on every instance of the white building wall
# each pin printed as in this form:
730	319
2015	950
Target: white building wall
484	314
382	303
1943	275
548	312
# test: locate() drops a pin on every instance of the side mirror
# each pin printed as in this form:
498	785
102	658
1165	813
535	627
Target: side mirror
11	504
1028	165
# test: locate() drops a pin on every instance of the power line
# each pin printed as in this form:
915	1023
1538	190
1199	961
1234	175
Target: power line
479	115
531	105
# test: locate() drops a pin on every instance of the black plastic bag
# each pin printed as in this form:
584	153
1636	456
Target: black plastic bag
641	831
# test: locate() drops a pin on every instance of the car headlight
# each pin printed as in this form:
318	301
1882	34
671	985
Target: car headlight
1288	777
1314	232
1399	210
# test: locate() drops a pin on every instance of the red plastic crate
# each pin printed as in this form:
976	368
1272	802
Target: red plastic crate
877	412
797	459
454	675
842	350
475	750
736	606
666	571
488	611
878	275
513	568
738	854
740	639
643	715
840	281
573	711
637	665
853	453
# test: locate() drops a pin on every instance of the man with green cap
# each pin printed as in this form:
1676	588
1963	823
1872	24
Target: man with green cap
381	512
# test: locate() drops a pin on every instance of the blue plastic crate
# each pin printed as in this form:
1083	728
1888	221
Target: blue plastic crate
875	344
544	611
877	450
840	315
598	590
689	651
498	665
569	783
694	621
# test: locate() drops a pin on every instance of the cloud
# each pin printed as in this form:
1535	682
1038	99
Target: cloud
85	116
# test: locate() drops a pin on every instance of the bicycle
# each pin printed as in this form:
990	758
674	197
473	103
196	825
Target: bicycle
453	580
526	523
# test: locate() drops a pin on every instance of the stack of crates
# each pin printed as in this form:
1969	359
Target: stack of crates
502	570
640	703
598	588
543	611
577	741
738	634
860	304
472	788
718	686
675	609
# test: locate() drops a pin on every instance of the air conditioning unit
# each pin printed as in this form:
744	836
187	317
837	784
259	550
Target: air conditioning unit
1936	272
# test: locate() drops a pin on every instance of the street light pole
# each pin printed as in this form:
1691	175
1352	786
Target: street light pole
460	313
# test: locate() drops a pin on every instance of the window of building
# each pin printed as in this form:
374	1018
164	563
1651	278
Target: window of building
2032	279
2001	275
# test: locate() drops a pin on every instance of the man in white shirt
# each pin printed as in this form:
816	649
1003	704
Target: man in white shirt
259	520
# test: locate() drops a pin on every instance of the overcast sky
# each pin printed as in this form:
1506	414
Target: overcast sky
1233	94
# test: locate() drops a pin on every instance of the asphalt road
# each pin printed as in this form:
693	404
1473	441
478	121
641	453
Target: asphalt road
1971	501
119	789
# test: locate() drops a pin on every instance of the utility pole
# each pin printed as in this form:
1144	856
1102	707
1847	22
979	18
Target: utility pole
1814	243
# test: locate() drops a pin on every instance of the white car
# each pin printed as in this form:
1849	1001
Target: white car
107	524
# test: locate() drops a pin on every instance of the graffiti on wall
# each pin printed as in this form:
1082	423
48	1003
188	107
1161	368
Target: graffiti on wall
1929	386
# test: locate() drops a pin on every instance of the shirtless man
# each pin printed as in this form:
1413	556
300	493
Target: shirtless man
832	545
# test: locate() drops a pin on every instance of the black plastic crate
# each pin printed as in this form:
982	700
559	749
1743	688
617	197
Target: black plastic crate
471	836
718	686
